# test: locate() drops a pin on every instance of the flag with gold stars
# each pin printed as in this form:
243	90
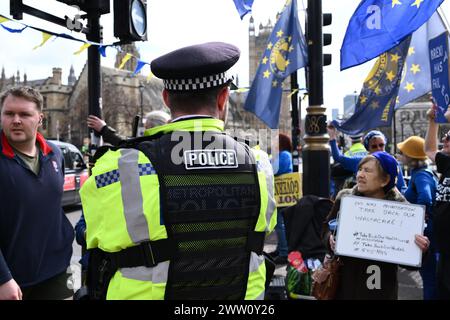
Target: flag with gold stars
285	52
378	25
416	78
376	102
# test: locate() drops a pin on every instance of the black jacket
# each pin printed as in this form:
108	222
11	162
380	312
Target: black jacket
304	223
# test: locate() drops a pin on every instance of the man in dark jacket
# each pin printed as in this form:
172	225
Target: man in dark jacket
35	235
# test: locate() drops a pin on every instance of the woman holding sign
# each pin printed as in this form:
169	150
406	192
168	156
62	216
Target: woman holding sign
422	190
361	278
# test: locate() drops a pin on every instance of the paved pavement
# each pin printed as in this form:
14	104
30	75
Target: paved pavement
410	283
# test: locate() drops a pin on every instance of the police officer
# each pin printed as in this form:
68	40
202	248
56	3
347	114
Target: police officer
357	149
182	213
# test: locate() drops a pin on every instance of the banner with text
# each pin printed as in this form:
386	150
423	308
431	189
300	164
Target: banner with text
440	74
288	189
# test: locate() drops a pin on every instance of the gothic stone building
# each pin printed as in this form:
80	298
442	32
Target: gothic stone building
125	95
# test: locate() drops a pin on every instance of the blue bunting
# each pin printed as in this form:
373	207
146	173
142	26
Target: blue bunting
243	7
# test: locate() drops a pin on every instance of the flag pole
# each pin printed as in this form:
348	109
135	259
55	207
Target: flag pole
316	153
295	121
394	133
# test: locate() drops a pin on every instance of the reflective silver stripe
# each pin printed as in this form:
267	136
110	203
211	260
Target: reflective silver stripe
157	274
255	262
261	296
132	196
271	205
265	167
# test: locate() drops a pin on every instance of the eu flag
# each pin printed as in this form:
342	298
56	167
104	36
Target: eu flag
243	7
285	53
375	106
416	80
378	25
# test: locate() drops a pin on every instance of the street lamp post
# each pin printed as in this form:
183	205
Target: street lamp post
316	153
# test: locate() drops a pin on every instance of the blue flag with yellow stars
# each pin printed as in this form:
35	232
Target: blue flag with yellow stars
416	80
375	106
378	25
285	53
243	7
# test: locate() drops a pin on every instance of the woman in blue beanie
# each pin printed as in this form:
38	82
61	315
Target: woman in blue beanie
373	141
376	177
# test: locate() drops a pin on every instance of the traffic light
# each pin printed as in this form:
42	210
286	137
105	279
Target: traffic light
15	9
327	37
130	20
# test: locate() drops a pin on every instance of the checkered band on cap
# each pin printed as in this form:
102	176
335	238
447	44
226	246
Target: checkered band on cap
197	83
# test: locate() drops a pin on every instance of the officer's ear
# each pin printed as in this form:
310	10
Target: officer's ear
222	98
165	95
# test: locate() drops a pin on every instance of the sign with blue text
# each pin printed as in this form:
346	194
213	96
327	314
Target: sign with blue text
439	66
380	230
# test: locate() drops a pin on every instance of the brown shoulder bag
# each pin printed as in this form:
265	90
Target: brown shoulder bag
326	279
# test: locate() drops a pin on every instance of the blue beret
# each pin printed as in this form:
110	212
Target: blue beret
389	165
196	67
370	135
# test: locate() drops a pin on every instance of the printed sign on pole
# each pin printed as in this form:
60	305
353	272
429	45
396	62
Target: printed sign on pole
439	67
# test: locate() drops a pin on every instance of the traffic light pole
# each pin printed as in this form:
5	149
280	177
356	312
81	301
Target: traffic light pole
316	152
94	76
94	9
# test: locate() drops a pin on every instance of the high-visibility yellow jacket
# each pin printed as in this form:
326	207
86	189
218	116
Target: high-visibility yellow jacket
189	182
356	150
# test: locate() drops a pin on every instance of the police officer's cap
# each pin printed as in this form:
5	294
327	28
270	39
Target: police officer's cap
356	137
196	67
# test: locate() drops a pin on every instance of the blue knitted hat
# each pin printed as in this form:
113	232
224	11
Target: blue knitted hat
389	165
370	135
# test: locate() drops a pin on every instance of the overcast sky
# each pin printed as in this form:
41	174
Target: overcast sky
173	24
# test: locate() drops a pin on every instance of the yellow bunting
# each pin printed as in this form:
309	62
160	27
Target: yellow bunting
150	75
3	19
82	48
45	37
292	93
124	60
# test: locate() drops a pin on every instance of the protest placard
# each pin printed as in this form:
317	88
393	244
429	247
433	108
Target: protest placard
288	189
380	230
440	74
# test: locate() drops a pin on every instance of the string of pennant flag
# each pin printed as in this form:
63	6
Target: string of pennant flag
47	35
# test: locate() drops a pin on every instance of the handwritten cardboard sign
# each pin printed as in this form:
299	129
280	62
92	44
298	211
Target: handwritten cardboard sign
380	230
288	189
